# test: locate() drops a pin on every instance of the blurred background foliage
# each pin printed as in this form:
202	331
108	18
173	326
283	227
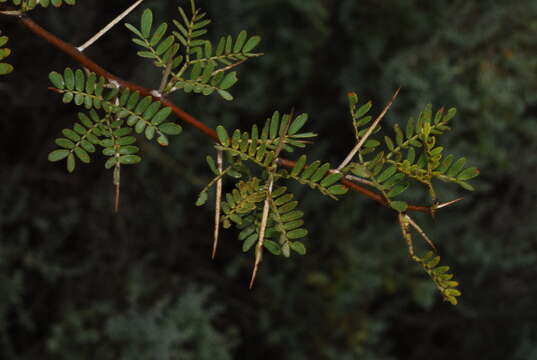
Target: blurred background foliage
79	282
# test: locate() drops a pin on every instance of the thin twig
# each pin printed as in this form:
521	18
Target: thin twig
229	67
165	76
219	161
407	235
358	146
421	232
109	26
117	192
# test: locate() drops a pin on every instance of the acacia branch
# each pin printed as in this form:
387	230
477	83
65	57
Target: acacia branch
180	113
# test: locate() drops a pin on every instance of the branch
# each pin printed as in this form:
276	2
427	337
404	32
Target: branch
180	113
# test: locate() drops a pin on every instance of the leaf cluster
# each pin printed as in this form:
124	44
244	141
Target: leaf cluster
264	211
441	277
92	132
5	68
284	228
409	154
192	63
27	5
259	146
143	113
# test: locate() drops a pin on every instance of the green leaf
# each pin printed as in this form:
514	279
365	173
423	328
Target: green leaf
3	39
249	242
297	233
143	105
468	174
165	45
386	174
57	80
80	80
319	174
229	80
146	23
389	143
225	94
71	162
82	155
151	110
69	78
274	124
110	163
251	44
129	150
65	143
70	134
272	246
297	124
212	165
163	140
363	110
338	189
58	155
161	115
293	215
397	190
441	270
456	167
310	170
331	179
222	135
129	159
202	198
452	292
433	262
170	128
400	206
466	186
240	41
298	247
158	34
299	165
5	68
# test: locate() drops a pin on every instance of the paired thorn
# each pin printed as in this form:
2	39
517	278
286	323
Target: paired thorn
368	133
448	203
421	232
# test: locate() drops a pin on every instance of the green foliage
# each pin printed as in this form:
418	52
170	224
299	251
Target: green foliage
201	67
5	68
124	111
316	176
284	225
440	276
409	154
27	5
92	132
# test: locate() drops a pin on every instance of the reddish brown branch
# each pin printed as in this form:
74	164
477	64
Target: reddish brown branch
92	66
181	114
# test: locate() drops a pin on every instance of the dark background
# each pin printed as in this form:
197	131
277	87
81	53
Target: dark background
80	282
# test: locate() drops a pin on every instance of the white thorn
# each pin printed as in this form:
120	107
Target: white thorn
109	26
